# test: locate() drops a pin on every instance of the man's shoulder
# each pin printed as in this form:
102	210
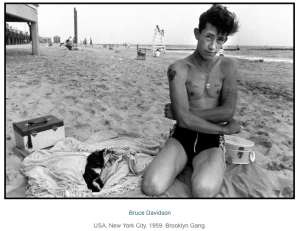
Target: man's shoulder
179	68
181	65
226	60
227	64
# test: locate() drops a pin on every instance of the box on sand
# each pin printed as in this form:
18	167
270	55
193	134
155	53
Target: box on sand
38	133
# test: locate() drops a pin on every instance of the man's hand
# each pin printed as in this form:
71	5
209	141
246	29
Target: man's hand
169	112
232	127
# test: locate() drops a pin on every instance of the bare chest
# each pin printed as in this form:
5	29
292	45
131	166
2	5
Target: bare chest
204	89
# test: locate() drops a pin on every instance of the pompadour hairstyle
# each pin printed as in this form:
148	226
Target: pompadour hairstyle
221	18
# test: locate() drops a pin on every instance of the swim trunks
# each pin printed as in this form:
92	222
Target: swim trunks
194	142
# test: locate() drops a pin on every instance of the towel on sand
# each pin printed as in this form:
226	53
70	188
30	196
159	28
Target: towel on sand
58	172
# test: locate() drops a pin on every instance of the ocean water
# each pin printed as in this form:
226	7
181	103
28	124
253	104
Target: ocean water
269	54
255	52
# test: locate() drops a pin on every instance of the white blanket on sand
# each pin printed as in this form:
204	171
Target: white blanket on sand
59	172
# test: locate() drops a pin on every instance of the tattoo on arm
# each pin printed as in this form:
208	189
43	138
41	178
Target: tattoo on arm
171	74
231	93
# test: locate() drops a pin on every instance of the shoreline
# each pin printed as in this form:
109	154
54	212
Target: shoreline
265	59
188	51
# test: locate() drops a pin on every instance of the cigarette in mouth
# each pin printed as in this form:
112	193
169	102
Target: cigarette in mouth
242	127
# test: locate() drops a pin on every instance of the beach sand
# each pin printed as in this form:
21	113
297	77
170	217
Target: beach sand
96	89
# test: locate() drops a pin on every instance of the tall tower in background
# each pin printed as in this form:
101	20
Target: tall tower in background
75	26
158	40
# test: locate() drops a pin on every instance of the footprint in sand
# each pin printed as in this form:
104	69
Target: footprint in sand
62	111
70	99
116	116
82	127
143	108
98	106
90	110
82	120
263	133
24	114
262	140
148	118
276	165
102	87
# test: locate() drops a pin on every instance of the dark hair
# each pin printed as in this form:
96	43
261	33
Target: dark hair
221	18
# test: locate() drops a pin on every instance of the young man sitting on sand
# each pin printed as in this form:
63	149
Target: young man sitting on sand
203	92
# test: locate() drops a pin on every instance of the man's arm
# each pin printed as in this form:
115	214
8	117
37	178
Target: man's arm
177	75
228	97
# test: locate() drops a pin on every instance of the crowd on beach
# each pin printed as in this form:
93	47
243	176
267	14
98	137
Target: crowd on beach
71	43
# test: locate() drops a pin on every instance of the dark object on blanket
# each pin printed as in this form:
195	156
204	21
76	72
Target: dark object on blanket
95	162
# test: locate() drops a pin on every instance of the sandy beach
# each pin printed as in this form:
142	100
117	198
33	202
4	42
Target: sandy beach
97	89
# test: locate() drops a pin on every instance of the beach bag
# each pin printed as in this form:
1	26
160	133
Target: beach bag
239	150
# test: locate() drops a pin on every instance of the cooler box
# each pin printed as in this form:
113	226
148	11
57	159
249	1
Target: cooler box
239	150
39	133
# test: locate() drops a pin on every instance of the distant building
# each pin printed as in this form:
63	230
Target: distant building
45	40
56	39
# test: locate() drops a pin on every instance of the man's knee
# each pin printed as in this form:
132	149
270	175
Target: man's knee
205	189
152	186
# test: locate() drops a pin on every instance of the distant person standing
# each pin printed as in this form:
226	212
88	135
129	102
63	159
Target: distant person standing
91	43
84	42
221	52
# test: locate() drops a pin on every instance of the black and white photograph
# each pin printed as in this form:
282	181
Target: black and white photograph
149	102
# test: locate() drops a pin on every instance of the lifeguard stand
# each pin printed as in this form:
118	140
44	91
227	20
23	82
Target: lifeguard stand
158	40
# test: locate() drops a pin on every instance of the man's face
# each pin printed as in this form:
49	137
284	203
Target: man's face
209	41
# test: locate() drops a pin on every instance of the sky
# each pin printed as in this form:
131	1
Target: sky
260	24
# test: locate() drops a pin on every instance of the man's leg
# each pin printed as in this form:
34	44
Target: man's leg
208	173
165	166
